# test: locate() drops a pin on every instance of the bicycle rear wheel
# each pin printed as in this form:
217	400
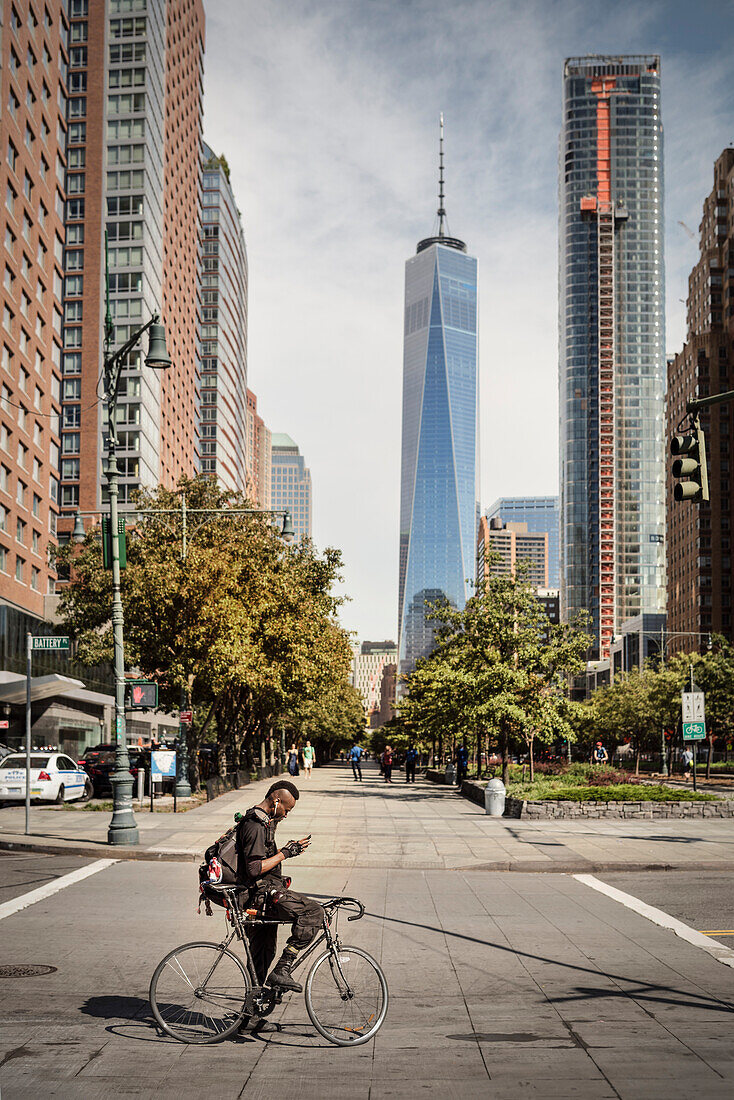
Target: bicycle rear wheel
198	992
346	996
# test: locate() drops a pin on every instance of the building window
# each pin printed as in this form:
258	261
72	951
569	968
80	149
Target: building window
19	568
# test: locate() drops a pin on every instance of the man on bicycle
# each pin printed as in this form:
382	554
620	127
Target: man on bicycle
259	860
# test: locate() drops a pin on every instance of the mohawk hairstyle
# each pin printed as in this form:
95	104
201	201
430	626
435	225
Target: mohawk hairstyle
283	785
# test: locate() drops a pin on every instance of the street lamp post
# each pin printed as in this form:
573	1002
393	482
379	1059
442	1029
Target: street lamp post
123	828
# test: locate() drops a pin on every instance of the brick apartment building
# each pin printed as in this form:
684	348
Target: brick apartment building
259	456
33	166
511	543
699	535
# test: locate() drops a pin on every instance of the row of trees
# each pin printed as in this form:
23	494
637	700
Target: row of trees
499	679
642	708
242	628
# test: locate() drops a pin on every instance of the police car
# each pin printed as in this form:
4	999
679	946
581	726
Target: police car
54	778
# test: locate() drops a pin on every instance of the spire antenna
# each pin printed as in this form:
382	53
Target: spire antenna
441	208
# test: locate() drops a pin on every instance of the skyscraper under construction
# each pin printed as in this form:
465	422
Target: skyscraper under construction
611	342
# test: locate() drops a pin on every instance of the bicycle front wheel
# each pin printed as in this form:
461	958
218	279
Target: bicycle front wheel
346	996
198	992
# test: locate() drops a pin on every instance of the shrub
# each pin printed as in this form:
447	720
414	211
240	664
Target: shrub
623	792
606	777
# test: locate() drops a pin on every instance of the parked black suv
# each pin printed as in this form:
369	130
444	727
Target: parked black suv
99	763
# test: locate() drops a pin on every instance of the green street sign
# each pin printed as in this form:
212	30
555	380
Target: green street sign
50	641
694	731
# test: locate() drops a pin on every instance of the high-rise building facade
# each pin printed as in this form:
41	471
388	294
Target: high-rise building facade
501	547
134	149
291	484
369	666
439	495
33	168
699	534
541	514
259	455
224	402
611	342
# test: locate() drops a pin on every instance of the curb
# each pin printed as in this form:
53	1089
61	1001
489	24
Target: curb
97	850
523	867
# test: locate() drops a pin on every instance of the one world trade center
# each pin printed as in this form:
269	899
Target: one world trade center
439	502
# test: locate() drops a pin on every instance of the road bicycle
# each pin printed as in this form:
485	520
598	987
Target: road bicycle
201	992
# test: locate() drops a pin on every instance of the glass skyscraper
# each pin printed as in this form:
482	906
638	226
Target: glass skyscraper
439	487
611	342
541	515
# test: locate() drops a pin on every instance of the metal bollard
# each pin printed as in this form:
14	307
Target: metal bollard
494	798
141	784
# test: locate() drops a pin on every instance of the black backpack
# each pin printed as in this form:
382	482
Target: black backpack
219	867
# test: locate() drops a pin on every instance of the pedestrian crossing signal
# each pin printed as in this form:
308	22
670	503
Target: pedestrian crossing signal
142	695
107	542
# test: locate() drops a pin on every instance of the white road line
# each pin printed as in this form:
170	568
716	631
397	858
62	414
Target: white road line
15	905
657	916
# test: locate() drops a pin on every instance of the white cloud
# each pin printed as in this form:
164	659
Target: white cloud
327	112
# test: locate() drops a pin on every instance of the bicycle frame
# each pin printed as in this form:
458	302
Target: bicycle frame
241	924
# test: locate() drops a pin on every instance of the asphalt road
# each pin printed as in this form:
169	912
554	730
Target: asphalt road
705	901
505	986
21	872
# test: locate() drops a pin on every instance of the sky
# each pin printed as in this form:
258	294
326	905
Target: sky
327	112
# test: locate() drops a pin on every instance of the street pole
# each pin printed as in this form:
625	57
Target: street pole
28	658
663	753
182	788
122	828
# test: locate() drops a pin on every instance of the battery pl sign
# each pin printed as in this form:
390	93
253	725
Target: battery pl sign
50	641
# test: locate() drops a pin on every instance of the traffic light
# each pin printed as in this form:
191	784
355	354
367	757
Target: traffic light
692	465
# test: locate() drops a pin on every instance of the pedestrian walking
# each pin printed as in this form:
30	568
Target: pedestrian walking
355	757
411	757
387	764
687	760
293	760
309	755
462	763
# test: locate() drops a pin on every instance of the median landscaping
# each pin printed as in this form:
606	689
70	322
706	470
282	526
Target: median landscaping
591	783
581	790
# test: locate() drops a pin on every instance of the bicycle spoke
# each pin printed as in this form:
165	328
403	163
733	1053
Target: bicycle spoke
190	1009
346	996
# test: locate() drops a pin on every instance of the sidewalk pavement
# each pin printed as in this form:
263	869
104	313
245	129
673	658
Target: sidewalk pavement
420	826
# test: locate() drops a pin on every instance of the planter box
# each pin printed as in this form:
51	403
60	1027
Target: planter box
515	807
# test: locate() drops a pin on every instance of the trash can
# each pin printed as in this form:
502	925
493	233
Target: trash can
450	774
494	798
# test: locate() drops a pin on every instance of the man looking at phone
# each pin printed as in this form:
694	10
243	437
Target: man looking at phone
259	862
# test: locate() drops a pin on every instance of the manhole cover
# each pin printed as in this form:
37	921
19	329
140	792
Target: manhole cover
30	970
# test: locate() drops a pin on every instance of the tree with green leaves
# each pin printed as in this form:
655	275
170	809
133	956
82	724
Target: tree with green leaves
243	625
501	667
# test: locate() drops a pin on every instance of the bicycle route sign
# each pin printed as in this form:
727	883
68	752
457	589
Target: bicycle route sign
694	716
